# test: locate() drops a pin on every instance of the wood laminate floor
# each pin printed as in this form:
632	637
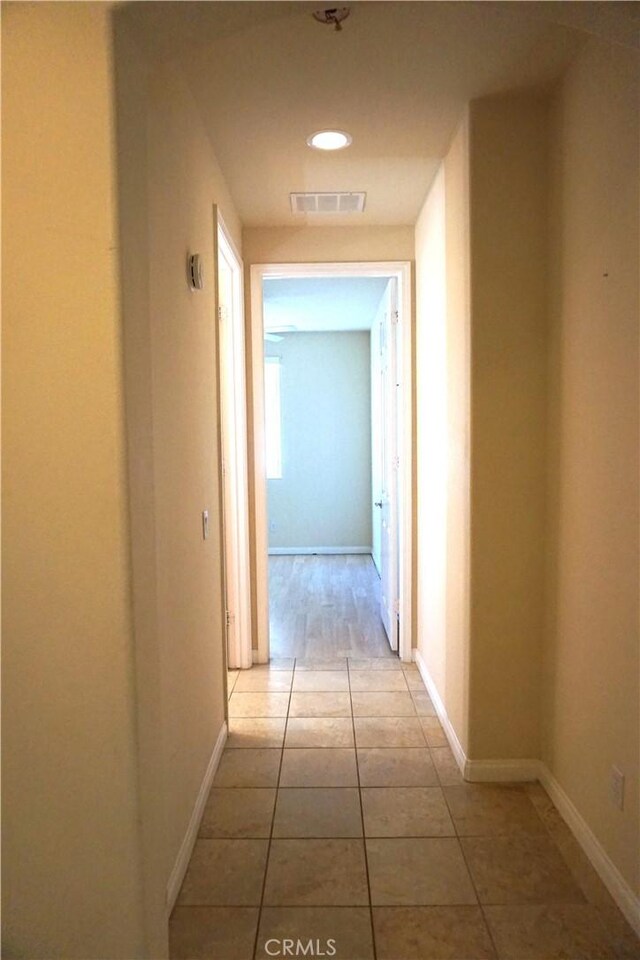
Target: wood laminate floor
325	607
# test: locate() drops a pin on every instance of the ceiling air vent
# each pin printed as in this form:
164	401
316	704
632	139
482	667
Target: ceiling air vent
328	202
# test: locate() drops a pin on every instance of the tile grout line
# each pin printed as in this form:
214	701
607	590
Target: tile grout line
364	836
494	945
273	817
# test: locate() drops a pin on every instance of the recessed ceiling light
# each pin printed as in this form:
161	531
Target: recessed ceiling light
329	140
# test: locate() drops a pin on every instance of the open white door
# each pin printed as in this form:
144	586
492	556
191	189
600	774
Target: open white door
234	451
388	411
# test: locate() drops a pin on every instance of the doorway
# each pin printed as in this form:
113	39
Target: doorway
388	497
235	474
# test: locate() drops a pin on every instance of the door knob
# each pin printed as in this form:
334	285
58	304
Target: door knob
378	503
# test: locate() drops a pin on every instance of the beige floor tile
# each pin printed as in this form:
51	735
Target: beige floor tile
238	812
212	933
258	704
436	737
255	733
320	705
389	732
624	939
555	932
225	873
396	767
262	681
522	869
431	933
418	872
406	812
391	681
423	704
339	663
415	682
277	663
349	929
319	732
492	810
316	873
318	812
382	705
574	856
248	768
232	676
321	681
448	770
375	663
323	767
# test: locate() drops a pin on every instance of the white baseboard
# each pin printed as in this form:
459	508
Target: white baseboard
622	893
502	771
308	551
452	737
495	771
186	847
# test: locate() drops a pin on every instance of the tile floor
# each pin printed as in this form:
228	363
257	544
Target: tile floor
338	814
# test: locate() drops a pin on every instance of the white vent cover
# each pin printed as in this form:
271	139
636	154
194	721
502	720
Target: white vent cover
328	202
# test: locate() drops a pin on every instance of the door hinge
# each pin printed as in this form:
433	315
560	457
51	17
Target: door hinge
230	617
395	316
396	463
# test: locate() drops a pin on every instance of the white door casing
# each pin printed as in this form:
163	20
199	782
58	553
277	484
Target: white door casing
234	452
389	586
401	272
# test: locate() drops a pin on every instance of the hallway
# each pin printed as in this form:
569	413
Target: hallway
325	606
338	813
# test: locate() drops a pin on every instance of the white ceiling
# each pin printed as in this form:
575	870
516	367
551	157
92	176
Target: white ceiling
397	78
322	303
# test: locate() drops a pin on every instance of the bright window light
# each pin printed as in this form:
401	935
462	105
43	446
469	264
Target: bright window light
272	417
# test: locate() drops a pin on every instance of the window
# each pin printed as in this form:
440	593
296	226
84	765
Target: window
273	432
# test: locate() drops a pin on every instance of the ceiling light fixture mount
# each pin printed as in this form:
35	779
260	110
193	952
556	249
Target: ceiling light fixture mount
329	140
332	16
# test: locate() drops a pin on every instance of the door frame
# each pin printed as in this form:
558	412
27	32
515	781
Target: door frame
401	271
235	464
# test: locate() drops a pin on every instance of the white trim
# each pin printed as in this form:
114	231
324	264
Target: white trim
401	270
502	771
235	480
495	771
622	893
447	726
308	551
186	847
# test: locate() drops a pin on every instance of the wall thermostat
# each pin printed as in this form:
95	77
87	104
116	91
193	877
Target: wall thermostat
194	271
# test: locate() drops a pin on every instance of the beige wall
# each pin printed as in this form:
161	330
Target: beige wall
508	249
456	185
591	669
442	432
71	858
326	244
431	431
169	183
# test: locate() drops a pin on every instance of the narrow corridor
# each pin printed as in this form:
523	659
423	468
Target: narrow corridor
339	816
